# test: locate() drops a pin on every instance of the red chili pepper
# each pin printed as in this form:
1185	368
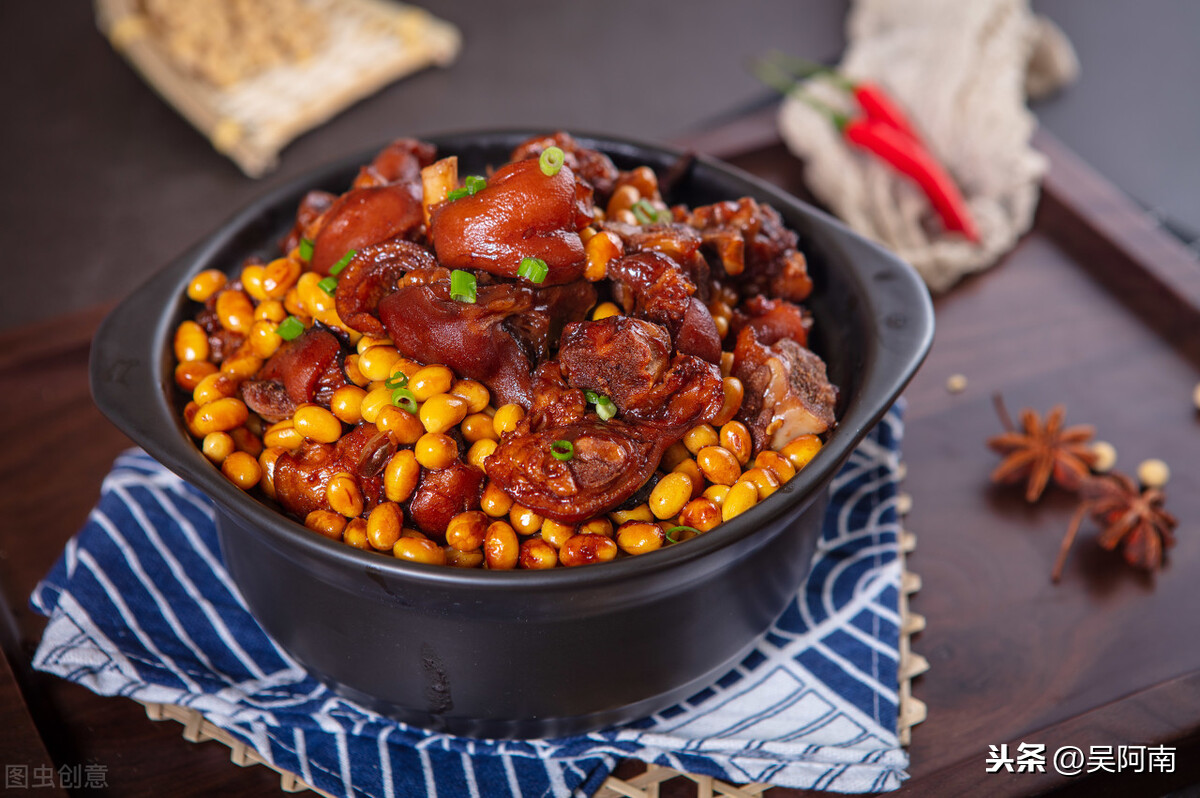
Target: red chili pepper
782	69
877	105
907	156
884	130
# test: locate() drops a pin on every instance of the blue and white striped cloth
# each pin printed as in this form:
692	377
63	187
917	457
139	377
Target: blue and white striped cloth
140	605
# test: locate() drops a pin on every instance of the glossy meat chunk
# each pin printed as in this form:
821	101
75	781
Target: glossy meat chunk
443	494
611	461
521	213
654	287
302	476
591	165
651	286
629	361
620	357
373	274
365	216
697	333
269	399
399	162
384	202
772	319
497	340
750	241
555	403
302	370
787	393
677	241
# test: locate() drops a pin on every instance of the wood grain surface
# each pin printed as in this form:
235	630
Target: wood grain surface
1077	314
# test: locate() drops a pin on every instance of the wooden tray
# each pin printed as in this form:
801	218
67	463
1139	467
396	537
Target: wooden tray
1095	308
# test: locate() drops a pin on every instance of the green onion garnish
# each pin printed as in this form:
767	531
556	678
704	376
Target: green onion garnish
405	399
462	286
328	285
562	450
639	211
605	408
397	380
457	194
533	269
551	161
645	212
336	268
290	328
675	529
305	249
474	183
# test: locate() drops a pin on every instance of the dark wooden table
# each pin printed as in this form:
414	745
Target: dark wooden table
1091	309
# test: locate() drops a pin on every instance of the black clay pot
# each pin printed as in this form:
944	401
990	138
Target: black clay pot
526	653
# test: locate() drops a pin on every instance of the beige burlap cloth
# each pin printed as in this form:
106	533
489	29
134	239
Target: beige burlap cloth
365	45
963	71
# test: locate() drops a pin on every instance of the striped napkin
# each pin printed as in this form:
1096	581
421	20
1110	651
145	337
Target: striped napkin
140	605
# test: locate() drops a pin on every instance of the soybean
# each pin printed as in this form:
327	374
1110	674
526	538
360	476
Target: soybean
401	475
639	537
500	547
384	525
670	495
537	554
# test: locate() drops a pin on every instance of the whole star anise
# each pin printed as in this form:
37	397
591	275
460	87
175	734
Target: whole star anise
1129	517
1038	453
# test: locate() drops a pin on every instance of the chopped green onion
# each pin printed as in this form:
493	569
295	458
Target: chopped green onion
648	214
474	183
471	184
551	161
328	285
305	249
290	328
562	450
533	269
675	529
405	399
397	380
462	286
605	408
336	268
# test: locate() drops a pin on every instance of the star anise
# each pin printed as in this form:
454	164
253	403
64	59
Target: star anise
1129	518
1040	452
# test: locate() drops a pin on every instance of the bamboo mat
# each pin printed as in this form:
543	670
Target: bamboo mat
368	44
